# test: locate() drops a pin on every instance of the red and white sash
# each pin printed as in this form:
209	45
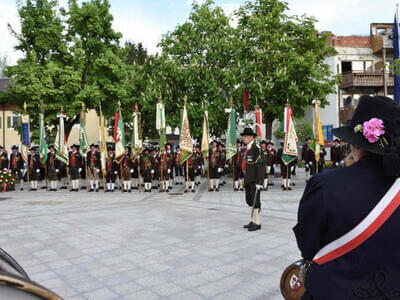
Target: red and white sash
359	234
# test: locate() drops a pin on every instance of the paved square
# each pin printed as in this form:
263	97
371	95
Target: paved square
151	245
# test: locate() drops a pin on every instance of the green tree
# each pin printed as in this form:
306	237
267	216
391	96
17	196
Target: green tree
200	54
71	56
281	59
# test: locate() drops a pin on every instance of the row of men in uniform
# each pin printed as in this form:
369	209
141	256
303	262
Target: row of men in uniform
157	168
160	169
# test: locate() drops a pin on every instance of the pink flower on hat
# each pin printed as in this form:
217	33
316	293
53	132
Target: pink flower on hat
373	129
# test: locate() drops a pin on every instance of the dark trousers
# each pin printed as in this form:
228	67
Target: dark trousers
192	174
250	188
178	171
146	176
238	172
110	177
214	173
284	170
74	173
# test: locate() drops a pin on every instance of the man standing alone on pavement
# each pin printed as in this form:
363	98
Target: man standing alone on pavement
253	169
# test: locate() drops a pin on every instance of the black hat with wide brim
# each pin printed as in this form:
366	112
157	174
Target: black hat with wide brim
379	107
248	132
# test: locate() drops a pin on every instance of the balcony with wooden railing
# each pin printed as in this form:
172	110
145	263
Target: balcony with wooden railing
378	42
365	80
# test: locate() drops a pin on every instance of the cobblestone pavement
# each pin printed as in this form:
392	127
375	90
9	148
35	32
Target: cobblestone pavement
151	245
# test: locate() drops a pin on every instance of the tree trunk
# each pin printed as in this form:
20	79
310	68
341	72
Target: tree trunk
70	123
268	127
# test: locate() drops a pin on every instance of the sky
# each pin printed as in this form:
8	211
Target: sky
147	20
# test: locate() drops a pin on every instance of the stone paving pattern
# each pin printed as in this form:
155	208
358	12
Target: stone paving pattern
151	245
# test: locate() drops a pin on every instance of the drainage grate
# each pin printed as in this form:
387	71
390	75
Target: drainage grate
214	209
175	194
4	198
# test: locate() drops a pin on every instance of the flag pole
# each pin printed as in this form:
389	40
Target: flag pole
187	175
85	158
102	150
139	181
287	177
233	160
208	172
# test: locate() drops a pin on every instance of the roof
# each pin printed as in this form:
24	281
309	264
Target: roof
3	84
353	41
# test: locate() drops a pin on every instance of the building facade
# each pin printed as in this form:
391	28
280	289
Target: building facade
363	65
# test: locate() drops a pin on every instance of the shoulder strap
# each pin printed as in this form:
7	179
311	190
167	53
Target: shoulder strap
363	231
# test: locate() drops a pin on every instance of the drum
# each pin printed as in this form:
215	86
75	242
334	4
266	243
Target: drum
10	265
292	281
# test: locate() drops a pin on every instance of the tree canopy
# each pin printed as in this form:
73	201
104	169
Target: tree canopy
72	56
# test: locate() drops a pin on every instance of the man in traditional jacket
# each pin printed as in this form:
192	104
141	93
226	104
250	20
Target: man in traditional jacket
308	158
199	157
17	166
178	167
126	167
111	170
53	168
215	166
155	162
3	159
147	169
223	164
271	160
75	167
165	168
286	170
34	168
336	153
94	167
192	168
253	168
263	146
135	173
238	173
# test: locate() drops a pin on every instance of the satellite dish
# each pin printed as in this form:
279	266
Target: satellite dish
347	101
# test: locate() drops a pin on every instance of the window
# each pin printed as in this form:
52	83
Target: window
346	66
13	122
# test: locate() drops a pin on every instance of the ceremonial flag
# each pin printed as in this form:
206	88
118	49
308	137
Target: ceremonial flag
42	144
287	114
318	133
119	135
83	139
160	124
26	140
289	153
246	100
185	141
61	141
103	144
205	141
137	140
231	147
258	122
396	55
